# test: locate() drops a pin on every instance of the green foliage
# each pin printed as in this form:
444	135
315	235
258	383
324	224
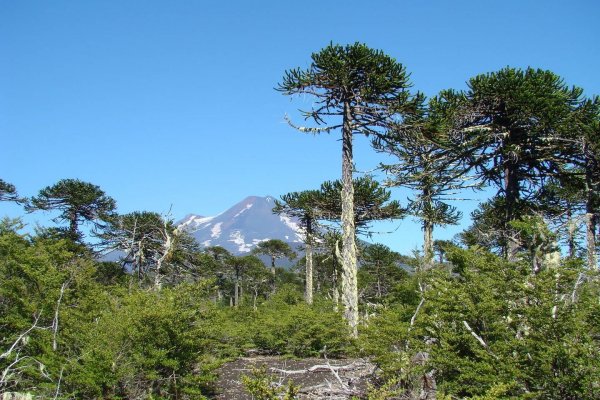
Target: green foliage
77	202
48	298
286	325
302	205
371	202
509	128
494	324
379	272
155	250
354	74
275	249
149	344
8	192
261	386
488	228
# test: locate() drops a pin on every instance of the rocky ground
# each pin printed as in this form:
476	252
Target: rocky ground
317	378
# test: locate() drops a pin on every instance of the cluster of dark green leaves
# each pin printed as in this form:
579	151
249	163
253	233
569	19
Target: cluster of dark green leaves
75	327
494	327
286	325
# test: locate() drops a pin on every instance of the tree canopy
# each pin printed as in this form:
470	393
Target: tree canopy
77	201
8	192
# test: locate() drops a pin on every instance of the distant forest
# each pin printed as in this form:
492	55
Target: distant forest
509	309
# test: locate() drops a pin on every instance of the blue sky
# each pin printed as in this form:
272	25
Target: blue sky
170	105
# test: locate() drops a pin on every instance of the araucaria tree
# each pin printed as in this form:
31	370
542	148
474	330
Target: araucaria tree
509	127
8	192
77	201
275	248
304	206
371	203
431	173
357	90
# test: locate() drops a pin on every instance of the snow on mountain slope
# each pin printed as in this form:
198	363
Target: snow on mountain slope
240	228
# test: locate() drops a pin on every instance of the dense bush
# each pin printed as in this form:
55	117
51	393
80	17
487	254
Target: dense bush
492	329
286	325
486	328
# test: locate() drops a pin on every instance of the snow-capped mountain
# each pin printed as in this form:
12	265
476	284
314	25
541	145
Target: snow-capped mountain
243	226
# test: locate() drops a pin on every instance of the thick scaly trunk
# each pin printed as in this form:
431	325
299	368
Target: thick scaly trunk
236	291
511	190
571	228
590	223
254	298
349	282
73	225
334	278
428	244
591	219
273	264
308	292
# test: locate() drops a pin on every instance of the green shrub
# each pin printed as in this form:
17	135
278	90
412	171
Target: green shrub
299	329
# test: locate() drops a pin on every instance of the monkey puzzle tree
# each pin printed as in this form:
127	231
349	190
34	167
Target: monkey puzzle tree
8	192
371	203
430	172
275	249
77	201
304	206
379	271
509	128
239	268
357	90
585	155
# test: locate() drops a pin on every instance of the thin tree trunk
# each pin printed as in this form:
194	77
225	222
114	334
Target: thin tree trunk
308	290
236	291
379	291
590	222
349	281
56	314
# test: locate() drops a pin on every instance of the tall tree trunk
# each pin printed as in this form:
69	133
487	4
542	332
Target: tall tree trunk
511	193
273	264
591	219
73	225
349	281
334	278
378	272
571	228
236	289
308	291
428	243
590	223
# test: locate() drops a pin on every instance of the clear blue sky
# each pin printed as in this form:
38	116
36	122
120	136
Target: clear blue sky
172	104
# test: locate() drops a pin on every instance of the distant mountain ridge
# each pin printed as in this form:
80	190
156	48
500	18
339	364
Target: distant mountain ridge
242	227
